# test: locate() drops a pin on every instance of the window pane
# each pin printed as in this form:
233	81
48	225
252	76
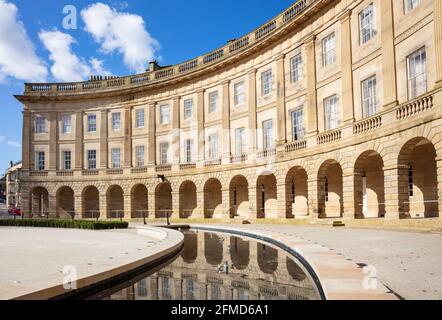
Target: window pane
266	80
92	159
164	114
331	113
239	93
188	109
213	102
417	74
296	66
268	141
369	97
329	50
297	125
116	158
139	151
366	19
140	118
92	123
116	121
66	124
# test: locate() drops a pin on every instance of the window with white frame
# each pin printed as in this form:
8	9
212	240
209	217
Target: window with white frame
369	102
116	121
329	50
92	123
139	118
139	156
213	146
40	160
92	159
213	102
417	73
67	160
66	124
366	24
297	124
165	114
188	109
116	158
239	93
188	151
296	68
40	125
267	135
266	82
240	141
410	5
164	153
331	113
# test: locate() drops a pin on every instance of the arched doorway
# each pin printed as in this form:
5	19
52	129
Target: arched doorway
296	187
369	185
295	271
267	258
239	253
91	203
330	191
213	199
163	200
213	249
65	203
190	251
139	202
239	198
188	201
39	202
418	191
266	196
115	202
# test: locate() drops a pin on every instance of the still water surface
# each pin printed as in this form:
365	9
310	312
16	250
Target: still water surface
217	266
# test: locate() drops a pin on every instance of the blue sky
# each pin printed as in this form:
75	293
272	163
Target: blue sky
172	31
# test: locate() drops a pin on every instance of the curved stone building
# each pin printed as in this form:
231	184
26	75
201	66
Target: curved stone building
331	109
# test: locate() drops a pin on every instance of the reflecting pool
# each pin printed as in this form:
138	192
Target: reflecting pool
218	266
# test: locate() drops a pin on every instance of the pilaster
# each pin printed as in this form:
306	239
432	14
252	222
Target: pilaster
151	114
437	4
252	111
79	140
200	126
312	108
128	137
280	102
176	131
103	140
347	70
53	141
226	122
26	151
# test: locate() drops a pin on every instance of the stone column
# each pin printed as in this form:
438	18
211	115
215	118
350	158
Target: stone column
176	131
388	54
152	144
78	205
79	149
439	183
103	140
52	202
348	194
175	205
103	206
127	205
200	126
26	150
280	102
200	204
282	199
396	186
225	196
313	197
253	214
53	141
151	203
226	122
128	137
437	4
312	108
346	68
252	112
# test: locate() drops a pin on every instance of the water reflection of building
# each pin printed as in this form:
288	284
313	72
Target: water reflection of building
256	272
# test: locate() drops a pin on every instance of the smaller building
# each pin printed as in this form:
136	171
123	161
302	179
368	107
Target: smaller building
13	184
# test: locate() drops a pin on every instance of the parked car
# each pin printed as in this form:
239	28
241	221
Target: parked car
14	212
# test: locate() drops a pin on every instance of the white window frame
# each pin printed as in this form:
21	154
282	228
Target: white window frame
165	114
116	158
139	118
298	129
140	156
266	82
240	141
417	78
67	160
164	153
239	93
40	125
268	142
329	51
92	159
91	123
188	109
331	113
116	121
369	96
213	146
410	5
66	124
40	160
367	24
213	101
188	151
296	68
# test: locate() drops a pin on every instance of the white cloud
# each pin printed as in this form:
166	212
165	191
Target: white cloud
121	32
17	52
67	66
14	144
97	67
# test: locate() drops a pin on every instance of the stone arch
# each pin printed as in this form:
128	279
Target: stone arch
39	201
90	198
188	199
239	253
295	271
418	185
115	202
330	190
213	248
296	188
267	258
65	201
239	197
266	196
190	251
213	206
139	201
163	200
369	190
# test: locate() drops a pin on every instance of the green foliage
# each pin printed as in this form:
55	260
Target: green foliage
65	224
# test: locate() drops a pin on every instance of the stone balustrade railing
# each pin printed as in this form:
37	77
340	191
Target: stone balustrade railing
295	146
367	125
212	163
262	154
239	159
330	136
163	168
232	48
414	107
187	166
